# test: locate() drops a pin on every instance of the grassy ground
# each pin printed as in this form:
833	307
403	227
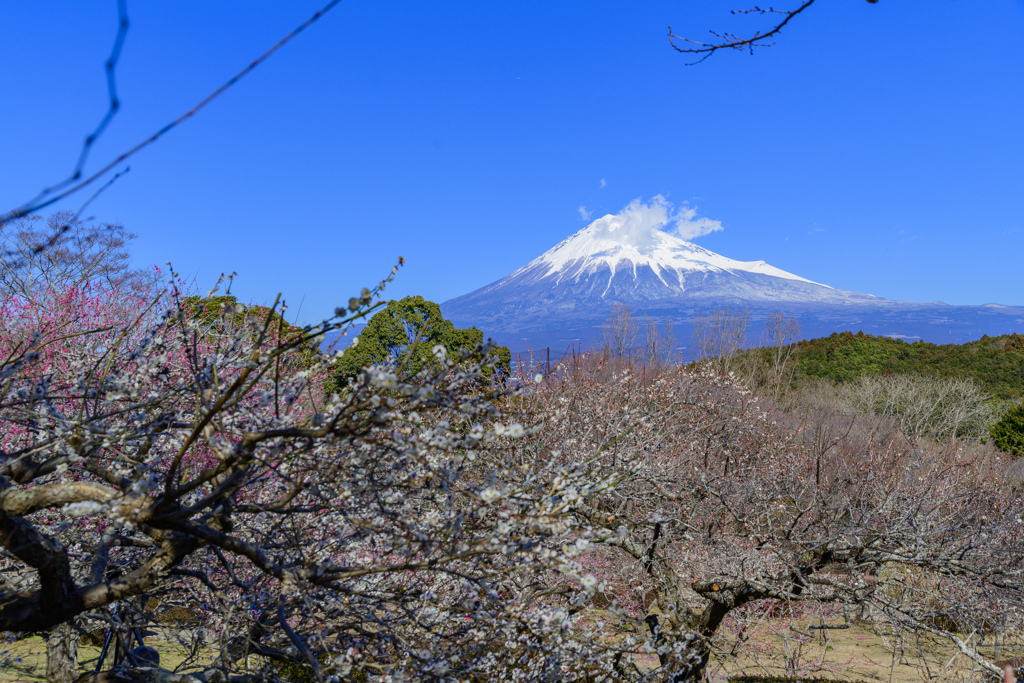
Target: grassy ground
26	658
859	653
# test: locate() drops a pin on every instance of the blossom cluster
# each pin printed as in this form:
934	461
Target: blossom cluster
397	529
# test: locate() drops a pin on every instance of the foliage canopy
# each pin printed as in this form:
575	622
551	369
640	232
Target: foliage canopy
1008	433
223	314
407	331
997	363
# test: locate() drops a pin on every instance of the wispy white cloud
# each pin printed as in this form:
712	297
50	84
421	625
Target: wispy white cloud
584	214
603	182
638	222
688	225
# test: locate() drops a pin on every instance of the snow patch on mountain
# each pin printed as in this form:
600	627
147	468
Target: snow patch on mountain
611	243
642	257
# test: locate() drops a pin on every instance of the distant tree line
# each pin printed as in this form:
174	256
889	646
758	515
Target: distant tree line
996	363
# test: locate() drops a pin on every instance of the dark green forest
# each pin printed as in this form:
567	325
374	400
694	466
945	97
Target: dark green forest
997	363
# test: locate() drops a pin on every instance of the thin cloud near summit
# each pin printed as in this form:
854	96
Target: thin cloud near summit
637	222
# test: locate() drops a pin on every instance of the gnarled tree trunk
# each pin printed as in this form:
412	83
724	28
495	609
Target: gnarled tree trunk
62	654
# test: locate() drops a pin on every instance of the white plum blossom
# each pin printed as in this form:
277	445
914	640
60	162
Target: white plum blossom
382	378
489	495
84	508
216	472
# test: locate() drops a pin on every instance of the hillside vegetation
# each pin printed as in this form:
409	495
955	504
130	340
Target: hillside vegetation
996	363
929	390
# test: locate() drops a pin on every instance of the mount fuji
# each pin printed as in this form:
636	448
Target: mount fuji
566	294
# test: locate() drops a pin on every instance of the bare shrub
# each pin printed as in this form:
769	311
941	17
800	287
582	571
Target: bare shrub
937	407
64	252
621	331
781	332
720	333
659	342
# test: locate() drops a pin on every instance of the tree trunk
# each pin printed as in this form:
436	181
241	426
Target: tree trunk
62	654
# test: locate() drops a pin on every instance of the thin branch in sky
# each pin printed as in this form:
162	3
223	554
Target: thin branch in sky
42	201
98	192
733	42
114	107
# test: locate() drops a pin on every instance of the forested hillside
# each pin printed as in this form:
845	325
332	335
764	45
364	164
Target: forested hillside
997	363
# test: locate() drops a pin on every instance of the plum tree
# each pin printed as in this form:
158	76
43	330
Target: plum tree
732	511
150	450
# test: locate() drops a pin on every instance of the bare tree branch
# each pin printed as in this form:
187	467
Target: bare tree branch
729	41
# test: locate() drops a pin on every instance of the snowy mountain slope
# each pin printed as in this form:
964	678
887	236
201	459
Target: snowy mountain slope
600	246
568	292
600	265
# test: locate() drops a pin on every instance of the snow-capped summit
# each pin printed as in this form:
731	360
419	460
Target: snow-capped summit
640	257
608	244
616	259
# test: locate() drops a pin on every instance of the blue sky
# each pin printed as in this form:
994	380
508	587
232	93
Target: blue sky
876	147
